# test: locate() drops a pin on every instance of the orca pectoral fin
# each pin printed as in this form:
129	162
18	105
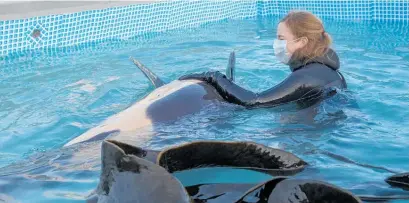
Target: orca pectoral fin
242	155
230	70
156	81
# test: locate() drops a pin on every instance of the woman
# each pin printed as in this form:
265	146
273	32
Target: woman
303	45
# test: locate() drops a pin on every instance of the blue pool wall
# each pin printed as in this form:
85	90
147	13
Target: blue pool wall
121	23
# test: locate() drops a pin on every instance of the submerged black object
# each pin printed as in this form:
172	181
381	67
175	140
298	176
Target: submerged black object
307	84
245	155
248	155
283	190
400	180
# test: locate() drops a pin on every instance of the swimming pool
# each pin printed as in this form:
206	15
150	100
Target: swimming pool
50	97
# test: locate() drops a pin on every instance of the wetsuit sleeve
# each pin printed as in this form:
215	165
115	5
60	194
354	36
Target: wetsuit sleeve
287	91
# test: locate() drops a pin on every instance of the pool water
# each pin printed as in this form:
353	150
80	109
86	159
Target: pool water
50	97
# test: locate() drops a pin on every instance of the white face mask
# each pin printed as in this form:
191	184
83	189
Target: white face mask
280	50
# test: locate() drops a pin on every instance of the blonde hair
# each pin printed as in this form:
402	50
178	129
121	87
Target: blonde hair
305	24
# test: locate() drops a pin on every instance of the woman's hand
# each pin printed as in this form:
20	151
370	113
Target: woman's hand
230	92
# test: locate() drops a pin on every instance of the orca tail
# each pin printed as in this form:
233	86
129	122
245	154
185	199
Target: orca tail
230	70
156	81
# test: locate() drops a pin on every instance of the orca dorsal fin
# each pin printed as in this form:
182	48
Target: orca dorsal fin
230	70
156	81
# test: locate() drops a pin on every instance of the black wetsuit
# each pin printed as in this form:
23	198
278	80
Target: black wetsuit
307	84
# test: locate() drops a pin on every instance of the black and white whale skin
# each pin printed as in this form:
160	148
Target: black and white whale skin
167	102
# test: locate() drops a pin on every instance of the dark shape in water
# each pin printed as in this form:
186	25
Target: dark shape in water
371	198
399	180
283	190
225	192
126	167
246	155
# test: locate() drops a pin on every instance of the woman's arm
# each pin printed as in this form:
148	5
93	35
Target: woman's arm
291	89
227	89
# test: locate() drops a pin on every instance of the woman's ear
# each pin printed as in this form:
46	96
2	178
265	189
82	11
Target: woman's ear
304	41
